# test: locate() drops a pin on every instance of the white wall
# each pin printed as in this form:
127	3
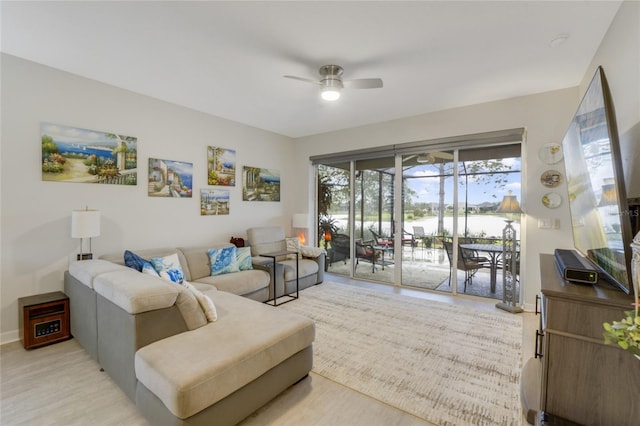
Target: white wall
35	228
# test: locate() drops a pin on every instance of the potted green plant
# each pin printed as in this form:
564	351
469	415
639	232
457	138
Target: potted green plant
626	332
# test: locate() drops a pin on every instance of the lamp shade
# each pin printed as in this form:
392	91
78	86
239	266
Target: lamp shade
85	223
300	220
509	204
609	197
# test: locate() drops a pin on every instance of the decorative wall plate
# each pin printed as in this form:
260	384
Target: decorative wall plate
551	200
551	153
551	178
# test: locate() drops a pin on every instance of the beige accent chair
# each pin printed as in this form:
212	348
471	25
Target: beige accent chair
269	239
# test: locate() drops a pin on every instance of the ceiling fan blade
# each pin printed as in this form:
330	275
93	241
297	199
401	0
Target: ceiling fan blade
363	83
306	80
443	155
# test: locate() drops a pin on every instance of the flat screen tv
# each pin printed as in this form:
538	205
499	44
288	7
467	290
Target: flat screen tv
597	195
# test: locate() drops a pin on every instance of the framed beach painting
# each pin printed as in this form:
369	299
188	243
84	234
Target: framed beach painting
221	166
214	202
72	154
169	178
260	184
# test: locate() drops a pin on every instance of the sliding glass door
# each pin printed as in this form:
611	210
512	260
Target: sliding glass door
374	219
428	195
413	216
451	202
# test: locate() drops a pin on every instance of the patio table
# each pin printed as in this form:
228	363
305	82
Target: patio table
384	248
495	252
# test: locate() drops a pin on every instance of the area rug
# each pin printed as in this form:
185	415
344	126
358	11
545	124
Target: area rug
447	364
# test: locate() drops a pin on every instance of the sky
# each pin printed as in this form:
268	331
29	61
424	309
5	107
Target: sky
427	189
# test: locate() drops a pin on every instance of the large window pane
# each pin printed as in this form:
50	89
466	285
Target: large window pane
373	219
333	216
428	189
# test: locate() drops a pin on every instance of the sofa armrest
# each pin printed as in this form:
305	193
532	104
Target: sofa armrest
321	260
276	278
135	292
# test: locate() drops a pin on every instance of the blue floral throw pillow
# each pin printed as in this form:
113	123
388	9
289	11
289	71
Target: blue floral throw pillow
169	268
243	258
223	260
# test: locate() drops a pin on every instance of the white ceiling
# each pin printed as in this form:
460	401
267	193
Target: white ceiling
228	58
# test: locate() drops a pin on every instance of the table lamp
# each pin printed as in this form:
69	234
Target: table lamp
300	223
85	224
509	303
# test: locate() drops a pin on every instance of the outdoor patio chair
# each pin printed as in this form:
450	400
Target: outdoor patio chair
419	234
366	252
409	240
339	248
471	254
381	240
468	266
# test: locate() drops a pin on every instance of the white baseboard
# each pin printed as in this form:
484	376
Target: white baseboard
9	336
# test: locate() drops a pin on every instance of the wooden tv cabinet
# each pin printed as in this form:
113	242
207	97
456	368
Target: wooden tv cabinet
583	380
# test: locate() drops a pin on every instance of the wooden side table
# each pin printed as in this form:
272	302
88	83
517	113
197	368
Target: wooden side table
44	319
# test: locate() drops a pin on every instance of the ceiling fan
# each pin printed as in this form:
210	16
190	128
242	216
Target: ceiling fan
332	83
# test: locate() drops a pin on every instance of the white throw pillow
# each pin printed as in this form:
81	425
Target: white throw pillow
205	302
293	244
314	252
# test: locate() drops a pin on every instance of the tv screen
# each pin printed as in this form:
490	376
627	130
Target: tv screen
597	195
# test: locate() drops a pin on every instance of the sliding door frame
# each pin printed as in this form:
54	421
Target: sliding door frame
455	144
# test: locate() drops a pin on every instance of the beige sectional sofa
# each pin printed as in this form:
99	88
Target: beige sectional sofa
151	337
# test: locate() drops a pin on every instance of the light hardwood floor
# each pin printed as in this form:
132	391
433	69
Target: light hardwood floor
61	385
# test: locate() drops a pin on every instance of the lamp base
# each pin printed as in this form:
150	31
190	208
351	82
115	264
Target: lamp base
85	256
509	308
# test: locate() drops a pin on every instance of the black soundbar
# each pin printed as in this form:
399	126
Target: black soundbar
574	267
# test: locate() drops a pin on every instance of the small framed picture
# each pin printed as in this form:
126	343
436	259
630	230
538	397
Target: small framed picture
214	202
551	153
551	178
551	200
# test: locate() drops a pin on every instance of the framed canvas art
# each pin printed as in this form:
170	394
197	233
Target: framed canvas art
260	184
214	202
169	178
72	154
221	166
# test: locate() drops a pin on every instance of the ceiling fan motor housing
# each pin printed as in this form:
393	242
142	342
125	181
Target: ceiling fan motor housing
331	76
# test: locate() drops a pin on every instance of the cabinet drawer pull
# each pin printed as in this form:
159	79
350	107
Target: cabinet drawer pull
537	300
538	350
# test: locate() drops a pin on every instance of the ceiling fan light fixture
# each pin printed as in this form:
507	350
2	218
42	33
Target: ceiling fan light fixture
331	82
331	87
330	93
